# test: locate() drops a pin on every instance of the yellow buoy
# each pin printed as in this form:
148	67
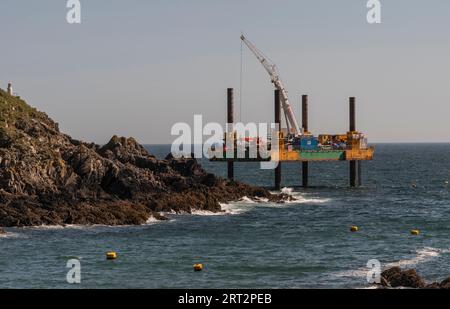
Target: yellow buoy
354	229
415	232
198	267
111	255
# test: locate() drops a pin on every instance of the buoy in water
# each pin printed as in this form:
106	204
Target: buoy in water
415	232
111	255
198	267
354	229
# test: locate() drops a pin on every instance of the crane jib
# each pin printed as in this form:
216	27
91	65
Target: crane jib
272	70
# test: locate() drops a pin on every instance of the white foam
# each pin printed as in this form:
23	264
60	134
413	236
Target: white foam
10	235
151	220
246	199
234	208
48	227
300	198
198	212
193	212
66	227
168	213
422	255
354	273
245	203
79	226
372	287
287	191
75	227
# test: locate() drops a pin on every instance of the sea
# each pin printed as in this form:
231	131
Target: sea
305	243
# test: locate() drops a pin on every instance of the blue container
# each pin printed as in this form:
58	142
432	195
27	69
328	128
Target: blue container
309	143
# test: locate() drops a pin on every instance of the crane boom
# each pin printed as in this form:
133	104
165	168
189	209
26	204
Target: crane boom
271	68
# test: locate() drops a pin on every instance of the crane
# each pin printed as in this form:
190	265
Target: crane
271	68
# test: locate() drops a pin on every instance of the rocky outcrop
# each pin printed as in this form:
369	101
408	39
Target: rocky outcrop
48	178
395	277
445	284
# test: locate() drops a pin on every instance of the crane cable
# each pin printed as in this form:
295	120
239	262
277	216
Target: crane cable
241	82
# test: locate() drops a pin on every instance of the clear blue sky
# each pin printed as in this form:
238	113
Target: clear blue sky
134	68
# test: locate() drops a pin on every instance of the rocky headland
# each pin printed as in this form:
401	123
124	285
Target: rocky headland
49	178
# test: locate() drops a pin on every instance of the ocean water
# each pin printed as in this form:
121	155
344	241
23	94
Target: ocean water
304	244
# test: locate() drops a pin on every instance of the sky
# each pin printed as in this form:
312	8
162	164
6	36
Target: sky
137	67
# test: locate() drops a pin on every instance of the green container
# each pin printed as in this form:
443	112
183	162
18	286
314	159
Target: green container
331	155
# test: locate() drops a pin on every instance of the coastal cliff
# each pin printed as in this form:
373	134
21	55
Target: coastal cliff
48	178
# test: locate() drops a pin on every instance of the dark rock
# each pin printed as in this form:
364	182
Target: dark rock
126	150
389	273
407	278
396	277
445	284
433	286
5	138
210	180
187	167
48	178
384	282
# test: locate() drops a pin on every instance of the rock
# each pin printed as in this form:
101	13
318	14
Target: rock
384	282
445	284
389	273
396	277
407	278
126	150
210	180
433	286
5	139
48	178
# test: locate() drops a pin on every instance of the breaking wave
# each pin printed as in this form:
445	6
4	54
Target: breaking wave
72	227
152	220
423	255
198	212
246	204
246	200
234	208
10	235
301	198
